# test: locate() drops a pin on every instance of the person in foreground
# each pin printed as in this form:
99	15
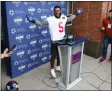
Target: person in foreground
5	54
107	28
56	25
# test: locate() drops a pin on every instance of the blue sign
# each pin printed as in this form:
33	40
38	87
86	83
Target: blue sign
33	42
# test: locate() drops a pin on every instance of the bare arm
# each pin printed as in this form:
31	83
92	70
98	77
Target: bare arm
41	23
71	18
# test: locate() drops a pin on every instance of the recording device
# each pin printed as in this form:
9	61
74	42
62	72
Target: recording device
12	48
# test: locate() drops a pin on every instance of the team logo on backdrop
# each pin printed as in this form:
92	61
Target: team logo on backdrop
20	53
44	59
39	10
32	27
33	42
40	41
13	31
28	36
18	20
34	56
44	46
33	50
21	68
31	10
43	17
40	54
29	65
19	37
20	61
44	40
29	52
17	3
44	32
16	63
32	64
11	12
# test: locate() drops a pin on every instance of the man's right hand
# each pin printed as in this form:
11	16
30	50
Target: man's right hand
30	19
101	28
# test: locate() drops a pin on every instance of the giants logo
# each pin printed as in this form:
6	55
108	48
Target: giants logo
18	20
44	59
21	68
19	37
32	27
33	42
34	56
44	32
44	46
31	10
20	53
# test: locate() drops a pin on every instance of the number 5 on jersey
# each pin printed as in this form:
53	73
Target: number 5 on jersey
61	29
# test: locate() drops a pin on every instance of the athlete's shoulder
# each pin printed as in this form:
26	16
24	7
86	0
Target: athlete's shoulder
50	17
63	16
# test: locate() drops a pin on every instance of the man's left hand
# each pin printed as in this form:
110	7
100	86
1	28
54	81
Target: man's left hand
78	11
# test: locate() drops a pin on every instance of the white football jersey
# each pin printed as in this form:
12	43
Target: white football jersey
57	27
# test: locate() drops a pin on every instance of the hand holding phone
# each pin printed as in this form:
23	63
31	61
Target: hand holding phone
12	48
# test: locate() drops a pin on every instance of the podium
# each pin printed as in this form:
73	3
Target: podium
70	54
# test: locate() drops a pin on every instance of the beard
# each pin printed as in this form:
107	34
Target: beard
58	16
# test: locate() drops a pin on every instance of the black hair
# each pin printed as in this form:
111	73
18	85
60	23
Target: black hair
110	10
57	7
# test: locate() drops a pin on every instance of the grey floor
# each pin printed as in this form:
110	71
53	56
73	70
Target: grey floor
33	80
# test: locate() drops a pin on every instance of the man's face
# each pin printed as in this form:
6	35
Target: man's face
110	15
57	12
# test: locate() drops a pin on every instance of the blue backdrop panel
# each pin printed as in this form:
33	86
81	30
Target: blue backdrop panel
33	42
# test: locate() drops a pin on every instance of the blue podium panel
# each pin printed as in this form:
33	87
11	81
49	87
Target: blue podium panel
33	42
